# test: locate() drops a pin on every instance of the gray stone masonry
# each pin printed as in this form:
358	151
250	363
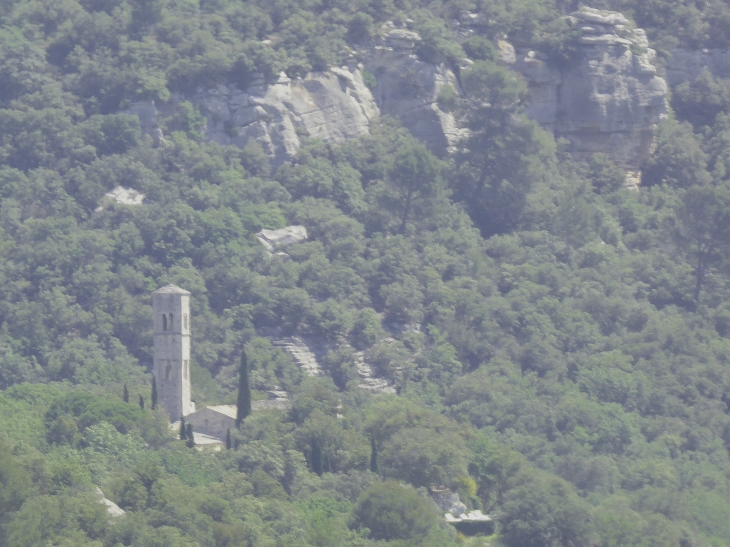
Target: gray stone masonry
171	323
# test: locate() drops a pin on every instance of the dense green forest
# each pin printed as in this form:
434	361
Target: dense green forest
560	343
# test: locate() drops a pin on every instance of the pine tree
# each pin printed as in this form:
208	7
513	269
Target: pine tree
141	402
183	430
125	396
228	439
189	433
373	454
244	391
154	393
316	456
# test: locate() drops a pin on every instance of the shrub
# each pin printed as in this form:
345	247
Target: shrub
392	511
479	48
448	99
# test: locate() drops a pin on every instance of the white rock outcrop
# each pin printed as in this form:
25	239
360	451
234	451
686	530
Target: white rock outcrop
120	194
447	500
272	239
609	99
369	380
125	196
111	508
332	106
302	354
408	89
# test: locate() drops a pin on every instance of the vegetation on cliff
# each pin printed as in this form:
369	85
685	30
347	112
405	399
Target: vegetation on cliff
560	343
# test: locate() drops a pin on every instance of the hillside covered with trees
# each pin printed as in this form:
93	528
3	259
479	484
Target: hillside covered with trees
560	343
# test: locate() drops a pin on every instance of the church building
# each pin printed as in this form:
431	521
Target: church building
172	325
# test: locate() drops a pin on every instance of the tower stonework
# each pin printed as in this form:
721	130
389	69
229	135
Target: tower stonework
171	324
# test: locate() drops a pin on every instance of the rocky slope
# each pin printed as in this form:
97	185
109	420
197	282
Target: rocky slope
609	99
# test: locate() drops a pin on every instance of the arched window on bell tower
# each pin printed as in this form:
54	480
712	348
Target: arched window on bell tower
168	370
171	323
164	322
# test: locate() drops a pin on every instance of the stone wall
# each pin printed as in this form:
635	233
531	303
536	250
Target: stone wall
213	421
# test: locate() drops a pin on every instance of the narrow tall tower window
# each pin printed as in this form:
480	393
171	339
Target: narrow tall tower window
185	369
171	323
164	322
167	372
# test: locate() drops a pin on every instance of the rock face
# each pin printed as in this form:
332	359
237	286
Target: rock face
369	380
331	106
111	508
609	100
271	239
120	194
125	196
301	353
447	500
408	89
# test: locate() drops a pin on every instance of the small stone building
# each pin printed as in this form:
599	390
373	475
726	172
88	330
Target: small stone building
214	421
172	334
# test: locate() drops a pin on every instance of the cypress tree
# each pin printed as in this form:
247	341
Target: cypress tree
183	430
189	433
244	391
154	393
141	402
373	454
316	456
228	439
125	396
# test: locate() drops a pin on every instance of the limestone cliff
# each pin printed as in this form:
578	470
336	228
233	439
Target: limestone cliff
331	106
408	88
336	105
609	99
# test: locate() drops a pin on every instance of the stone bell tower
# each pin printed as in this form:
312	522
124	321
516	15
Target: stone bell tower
171	323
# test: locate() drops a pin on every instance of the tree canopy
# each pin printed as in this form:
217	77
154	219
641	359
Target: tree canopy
558	343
